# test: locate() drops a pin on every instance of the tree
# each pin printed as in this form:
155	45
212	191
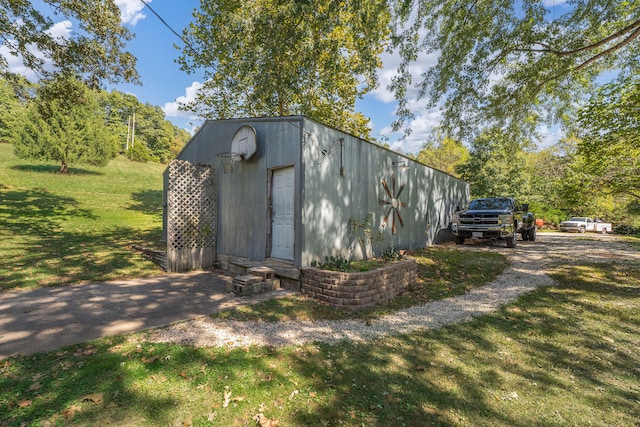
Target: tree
283	57
513	63
95	51
66	124
179	139
496	166
156	138
445	155
610	125
612	115
615	167
11	111
549	168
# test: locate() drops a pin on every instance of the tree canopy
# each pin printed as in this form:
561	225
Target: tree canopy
65	124
496	165
65	121
513	62
10	109
156	138
284	57
95	51
446	155
612	115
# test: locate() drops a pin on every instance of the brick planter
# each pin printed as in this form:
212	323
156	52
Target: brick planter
359	290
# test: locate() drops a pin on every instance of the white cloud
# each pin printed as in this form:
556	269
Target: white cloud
131	11
16	65
552	3
389	70
548	136
421	127
60	30
172	109
424	120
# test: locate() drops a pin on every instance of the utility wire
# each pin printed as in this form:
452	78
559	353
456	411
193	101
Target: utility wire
166	24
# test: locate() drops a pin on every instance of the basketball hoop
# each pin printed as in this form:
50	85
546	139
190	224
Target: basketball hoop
228	159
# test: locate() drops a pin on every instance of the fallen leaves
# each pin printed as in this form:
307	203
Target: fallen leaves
24	403
85	352
96	398
35	386
70	412
150	359
265	421
228	399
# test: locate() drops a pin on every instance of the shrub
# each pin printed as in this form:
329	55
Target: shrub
334	263
391	254
626	229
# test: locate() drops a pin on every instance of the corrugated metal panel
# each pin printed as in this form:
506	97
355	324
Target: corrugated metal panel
343	180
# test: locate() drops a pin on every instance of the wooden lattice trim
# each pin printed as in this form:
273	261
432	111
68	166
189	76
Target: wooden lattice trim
191	214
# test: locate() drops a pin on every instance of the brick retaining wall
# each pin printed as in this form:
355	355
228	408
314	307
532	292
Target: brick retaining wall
359	290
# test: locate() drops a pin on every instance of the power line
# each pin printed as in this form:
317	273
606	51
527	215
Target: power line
166	24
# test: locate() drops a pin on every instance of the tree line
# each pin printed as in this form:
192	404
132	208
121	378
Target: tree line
63	120
558	181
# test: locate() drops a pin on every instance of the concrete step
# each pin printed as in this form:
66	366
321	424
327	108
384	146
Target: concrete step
284	270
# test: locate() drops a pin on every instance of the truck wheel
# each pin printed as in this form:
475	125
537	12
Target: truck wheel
604	230
511	241
458	239
525	235
532	234
581	230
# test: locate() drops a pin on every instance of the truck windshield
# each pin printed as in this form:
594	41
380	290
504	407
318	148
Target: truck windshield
486	204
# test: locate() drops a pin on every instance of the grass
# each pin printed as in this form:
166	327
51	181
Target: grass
564	355
79	227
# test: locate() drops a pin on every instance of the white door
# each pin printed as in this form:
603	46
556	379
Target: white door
282	214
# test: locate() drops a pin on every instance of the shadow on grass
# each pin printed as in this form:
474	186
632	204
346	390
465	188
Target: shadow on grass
564	353
49	255
147	201
137	384
54	169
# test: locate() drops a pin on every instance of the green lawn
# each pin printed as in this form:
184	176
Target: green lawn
62	229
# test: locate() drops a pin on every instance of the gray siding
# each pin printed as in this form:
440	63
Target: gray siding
331	199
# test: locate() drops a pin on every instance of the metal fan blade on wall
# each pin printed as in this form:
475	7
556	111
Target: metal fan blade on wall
393	203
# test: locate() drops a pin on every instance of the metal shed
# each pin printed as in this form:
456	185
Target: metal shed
290	190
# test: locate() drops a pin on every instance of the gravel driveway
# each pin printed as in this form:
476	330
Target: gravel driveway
529	263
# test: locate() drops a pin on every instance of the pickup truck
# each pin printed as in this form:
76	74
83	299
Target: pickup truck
494	218
582	224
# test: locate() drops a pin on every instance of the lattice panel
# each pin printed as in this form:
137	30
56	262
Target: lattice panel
191	219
